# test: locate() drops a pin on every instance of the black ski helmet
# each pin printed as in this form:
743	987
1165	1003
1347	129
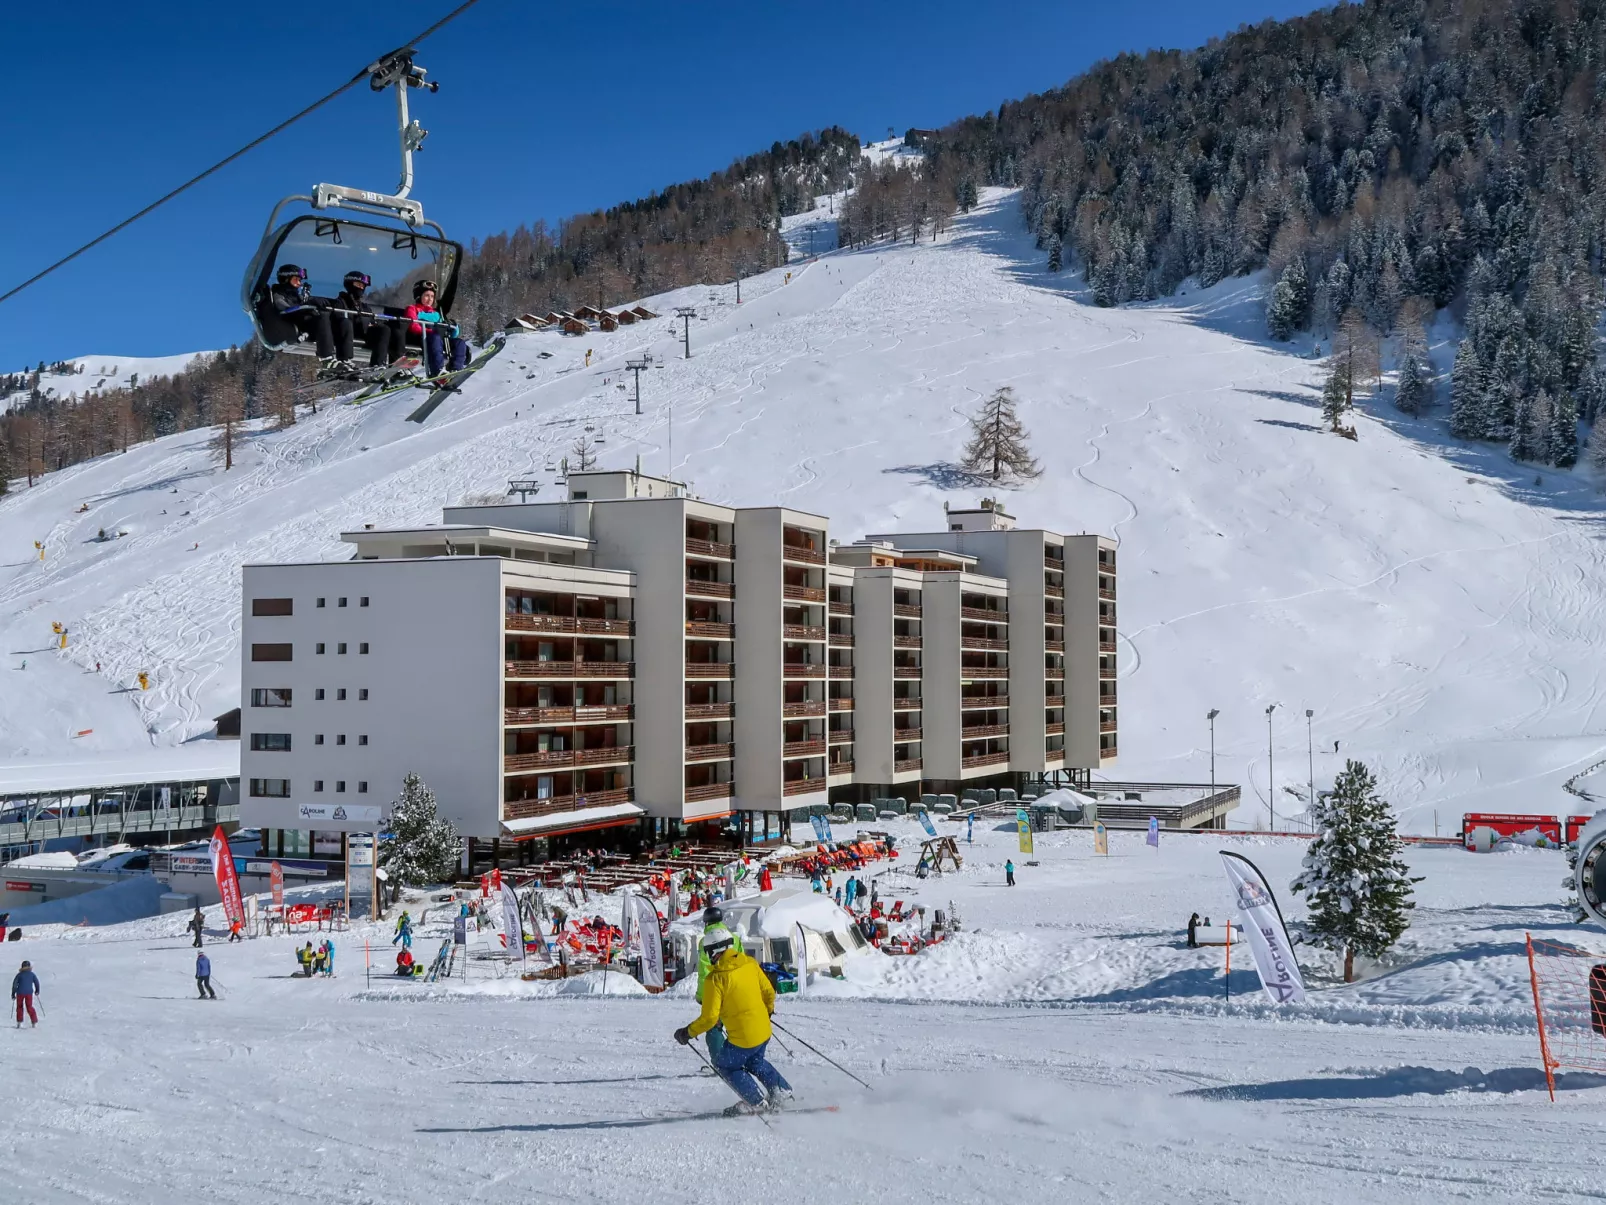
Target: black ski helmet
712	915
422	286
358	278
287	271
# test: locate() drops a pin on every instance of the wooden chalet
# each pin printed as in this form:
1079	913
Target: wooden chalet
625	318
589	313
608	322
573	326
641	311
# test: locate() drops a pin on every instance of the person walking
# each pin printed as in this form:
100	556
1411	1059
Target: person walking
235	930
404	931
1193	931
24	987
197	923
738	996
1009	873
203	977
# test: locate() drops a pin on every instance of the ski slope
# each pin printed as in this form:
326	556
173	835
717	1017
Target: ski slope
1431	603
98	374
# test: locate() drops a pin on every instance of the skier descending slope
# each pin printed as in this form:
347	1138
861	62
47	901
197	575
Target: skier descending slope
738	995
203	977
713	928
24	987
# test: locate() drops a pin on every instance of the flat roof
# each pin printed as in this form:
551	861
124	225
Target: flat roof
198	761
466	531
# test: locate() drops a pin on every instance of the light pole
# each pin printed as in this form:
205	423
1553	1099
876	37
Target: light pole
1271	777
1211	716
1310	753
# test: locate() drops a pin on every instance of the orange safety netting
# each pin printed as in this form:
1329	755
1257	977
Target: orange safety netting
1569	989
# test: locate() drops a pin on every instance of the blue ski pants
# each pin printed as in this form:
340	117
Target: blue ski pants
744	1068
435	353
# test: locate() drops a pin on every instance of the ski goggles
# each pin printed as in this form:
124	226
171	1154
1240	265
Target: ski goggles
358	278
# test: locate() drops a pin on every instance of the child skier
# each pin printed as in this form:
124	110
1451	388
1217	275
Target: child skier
739	996
24	987
404	931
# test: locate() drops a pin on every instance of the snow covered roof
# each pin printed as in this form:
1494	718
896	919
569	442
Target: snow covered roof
581	818
194	762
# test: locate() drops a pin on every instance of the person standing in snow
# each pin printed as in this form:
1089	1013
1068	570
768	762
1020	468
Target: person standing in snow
203	977
24	987
1193	931
197	923
739	997
404	931
1009	873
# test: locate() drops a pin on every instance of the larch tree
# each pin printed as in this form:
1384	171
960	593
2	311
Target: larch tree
583	458
997	447
1358	886
226	404
422	846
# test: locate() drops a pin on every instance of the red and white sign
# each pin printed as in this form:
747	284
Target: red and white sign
276	882
1511	824
228	884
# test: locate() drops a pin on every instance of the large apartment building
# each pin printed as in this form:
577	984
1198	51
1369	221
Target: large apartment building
633	655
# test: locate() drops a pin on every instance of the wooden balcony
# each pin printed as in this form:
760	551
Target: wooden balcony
710	669
803	711
604	713
809	594
902	736
906	642
1108	751
709	790
1106	646
1050	561
1053	755
525	809
802	786
906	610
906	671
984	614
1106	700
604	755
814	748
908	764
710	752
982	645
702	589
1107	673
1056	591
980	731
539	623
977	702
1104	726
702	629
1054	672
614	713
975	672
709	711
802	669
517	762
570	669
839	769
802	631
841	608
1054	728
840	736
984	759
1106	594
800	555
842	703
1054	646
905	704
841	640
711	549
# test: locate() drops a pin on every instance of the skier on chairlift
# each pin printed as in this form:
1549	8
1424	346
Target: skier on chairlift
360	322
434	335
291	301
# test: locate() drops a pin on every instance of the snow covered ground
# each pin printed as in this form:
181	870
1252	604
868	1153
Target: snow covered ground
1432	603
97	374
1067	1046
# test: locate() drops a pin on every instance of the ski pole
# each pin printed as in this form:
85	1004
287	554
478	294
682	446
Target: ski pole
704	1060
817	1051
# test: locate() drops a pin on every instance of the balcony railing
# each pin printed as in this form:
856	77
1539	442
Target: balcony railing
704	629
1106	594
812	748
708	790
1106	646
906	610
710	548
841	608
1056	672
802	555
570	669
525	809
984	614
1105	725
569	624
838	768
905	704
903	767
839	736
976	702
1106	700
710	589
710	669
1106	751
1107	672
978	731
803	711
1053	755
984	759
710	752
709	711
1056	591
801	669
902	736
515	762
841	703
802	786
604	755
1054	728
611	713
983	671
978	643
802	631
906	642
906	671
1053	562
841	640
811	594
1054	646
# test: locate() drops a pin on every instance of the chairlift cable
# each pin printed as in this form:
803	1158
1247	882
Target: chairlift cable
250	146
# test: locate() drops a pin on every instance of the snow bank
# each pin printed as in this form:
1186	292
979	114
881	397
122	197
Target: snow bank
125	900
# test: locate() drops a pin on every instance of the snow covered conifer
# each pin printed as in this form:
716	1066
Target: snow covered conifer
1358	886
423	846
1056	253
1290	301
1337	393
997	447
1467	392
1411	392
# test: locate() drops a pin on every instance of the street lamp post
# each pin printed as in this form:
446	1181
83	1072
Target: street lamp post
1211	716
1271	776
1310	753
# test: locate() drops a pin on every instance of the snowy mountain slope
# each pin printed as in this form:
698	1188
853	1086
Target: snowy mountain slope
1436	616
97	374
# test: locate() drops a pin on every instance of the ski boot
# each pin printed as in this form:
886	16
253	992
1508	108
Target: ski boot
742	1109
779	1098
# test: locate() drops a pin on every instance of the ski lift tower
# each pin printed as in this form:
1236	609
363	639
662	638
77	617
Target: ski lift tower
638	367
523	489
686	313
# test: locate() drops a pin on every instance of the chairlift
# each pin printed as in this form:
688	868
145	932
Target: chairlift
396	247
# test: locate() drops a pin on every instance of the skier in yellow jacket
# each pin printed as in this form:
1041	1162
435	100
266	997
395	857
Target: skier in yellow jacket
738	995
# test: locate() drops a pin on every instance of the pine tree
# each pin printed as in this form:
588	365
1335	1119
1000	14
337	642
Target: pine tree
1467	386
422	847
1411	391
1527	423
997	446
1290	301
1358	885
5	469
1561	434
1337	393
1056	252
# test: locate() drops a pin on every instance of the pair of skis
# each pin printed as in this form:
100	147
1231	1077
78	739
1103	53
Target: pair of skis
453	381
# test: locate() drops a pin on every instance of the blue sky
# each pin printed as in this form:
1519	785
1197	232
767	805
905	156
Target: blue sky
544	110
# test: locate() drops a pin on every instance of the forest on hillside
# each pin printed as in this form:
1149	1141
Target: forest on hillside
1381	161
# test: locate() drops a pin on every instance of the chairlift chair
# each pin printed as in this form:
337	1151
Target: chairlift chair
394	248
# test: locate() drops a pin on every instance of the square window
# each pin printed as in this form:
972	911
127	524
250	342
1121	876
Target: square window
318	740
362	695
341	648
342	602
363	601
317	784
318	694
363	739
362	788
363	648
340	695
340	785
340	739
319	648
320	602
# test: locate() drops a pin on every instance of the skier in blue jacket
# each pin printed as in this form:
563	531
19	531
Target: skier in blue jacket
203	977
24	987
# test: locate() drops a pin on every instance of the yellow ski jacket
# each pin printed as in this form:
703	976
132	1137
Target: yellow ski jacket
738	993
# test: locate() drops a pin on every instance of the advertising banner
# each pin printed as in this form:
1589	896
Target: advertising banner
1154	832
1023	822
339	813
512	923
1101	838
1264	928
228	884
818	822
652	942
800	951
925	822
276	884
